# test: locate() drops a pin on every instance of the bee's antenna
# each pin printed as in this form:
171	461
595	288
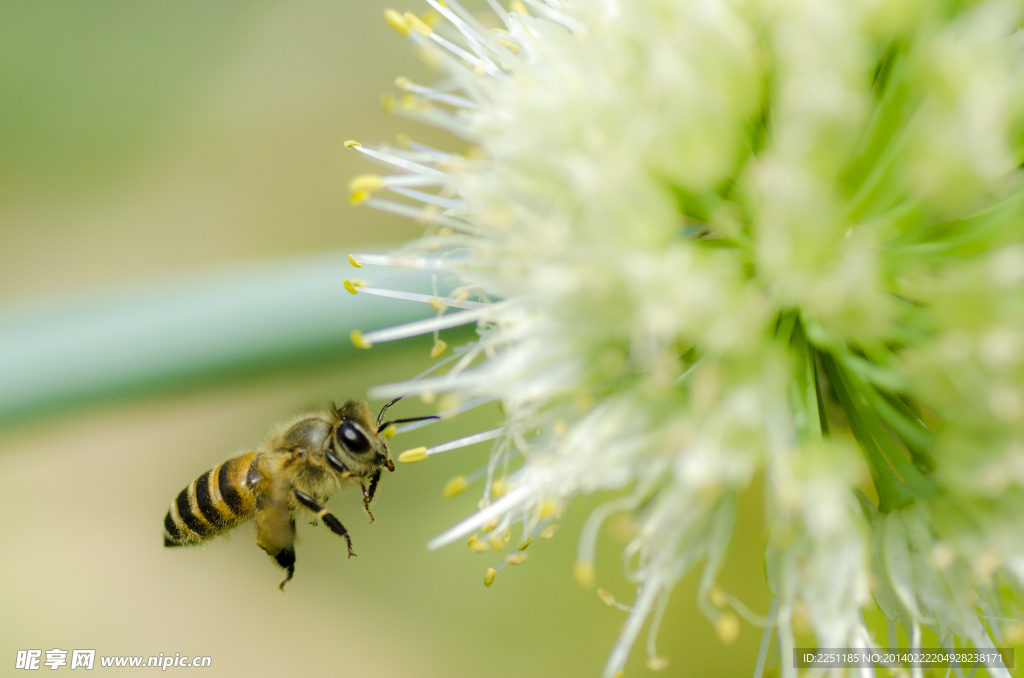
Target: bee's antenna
384	409
405	421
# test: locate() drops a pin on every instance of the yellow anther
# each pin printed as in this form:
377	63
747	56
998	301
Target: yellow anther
454	487
548	532
618	674
431	18
366	182
412	456
462	296
428	397
526	542
357	339
351	143
607	598
518	6
516	558
387	102
717	597
489	576
389	432
437	304
479	70
508	535
430	58
559	428
801	621
358	198
657	663
728	628
985	565
476	153
584	573
438	349
444	230
477	546
942	556
350	287
583	401
409	101
497	544
416	24
490	524
352	260
448	401
498	488
511	45
403	140
548	508
402	82
1015	632
396	21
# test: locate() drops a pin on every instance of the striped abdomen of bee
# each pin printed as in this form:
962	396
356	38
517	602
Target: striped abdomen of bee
215	502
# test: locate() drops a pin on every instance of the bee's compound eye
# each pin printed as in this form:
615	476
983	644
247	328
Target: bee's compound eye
352	439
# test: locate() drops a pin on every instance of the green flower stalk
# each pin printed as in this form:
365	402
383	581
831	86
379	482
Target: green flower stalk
707	244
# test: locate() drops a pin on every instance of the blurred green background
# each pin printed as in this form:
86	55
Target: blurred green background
146	142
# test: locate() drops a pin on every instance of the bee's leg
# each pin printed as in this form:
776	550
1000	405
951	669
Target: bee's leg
329	519
368	492
279	544
275	533
286	559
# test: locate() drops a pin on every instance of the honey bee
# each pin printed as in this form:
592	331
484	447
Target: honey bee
298	467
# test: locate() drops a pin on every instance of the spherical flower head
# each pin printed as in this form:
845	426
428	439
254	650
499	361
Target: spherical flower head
707	244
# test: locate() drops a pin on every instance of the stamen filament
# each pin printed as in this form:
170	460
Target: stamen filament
766	638
437	118
467	441
445	383
428	198
417	156
476	36
499	11
400	261
495	510
415	296
573	26
451	99
419	214
397	180
447	414
485	36
422	148
487	65
649	591
418	327
400	162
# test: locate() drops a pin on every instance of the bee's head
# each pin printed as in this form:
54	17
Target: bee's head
355	441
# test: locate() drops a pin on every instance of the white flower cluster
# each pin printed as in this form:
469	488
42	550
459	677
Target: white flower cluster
713	243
